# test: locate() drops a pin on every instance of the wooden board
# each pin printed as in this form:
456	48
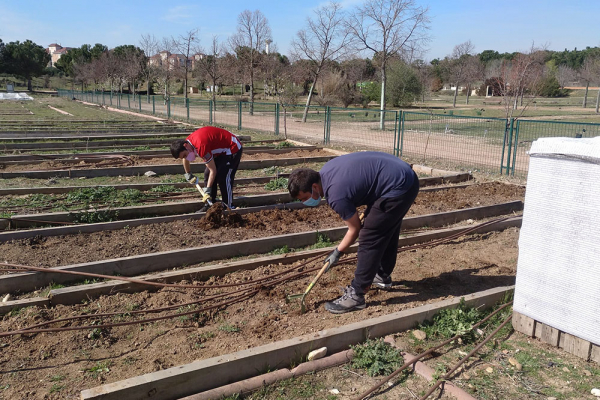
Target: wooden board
523	324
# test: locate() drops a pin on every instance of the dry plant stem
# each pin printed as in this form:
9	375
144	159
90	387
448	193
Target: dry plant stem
425	353
465	358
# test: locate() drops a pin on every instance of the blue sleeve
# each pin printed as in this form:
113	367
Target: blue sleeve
343	207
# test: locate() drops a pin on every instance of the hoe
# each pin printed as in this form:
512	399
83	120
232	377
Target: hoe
309	288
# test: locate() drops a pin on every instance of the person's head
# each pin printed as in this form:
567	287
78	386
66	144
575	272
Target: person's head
180	148
305	184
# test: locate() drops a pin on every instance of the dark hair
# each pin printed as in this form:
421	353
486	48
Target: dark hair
301	180
177	147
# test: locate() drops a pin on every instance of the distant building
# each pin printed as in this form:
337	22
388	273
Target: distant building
56	51
174	60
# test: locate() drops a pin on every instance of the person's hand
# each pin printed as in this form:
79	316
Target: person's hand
207	194
190	178
333	258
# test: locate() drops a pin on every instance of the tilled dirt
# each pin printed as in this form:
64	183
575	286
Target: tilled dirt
70	249
59	365
137	161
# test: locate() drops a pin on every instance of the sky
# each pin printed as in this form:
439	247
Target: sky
502	25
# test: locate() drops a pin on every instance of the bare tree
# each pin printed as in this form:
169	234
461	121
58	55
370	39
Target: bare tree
458	62
425	74
589	73
325	39
388	28
187	45
209	66
149	45
166	65
474	71
252	32
564	75
513	78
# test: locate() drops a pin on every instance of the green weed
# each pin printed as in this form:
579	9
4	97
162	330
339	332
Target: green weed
277	184
283	145
280	250
229	328
322	241
453	321
56	388
376	357
99	368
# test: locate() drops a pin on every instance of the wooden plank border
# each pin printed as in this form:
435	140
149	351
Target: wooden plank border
198	376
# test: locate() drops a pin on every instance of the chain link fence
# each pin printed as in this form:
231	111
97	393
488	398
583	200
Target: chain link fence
445	141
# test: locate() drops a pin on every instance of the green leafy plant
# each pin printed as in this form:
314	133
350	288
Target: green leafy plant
453	321
229	328
277	184
281	250
376	357
322	241
99	368
282	145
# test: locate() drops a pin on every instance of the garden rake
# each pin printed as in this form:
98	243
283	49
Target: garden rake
309	288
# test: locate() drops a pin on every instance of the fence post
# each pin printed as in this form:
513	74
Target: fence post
140	103
277	119
397	133
514	160
240	116
326	126
169	107
402	118
508	131
128	101
153	106
210	112
187	106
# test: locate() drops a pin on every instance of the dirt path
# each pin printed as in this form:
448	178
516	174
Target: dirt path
63	250
52	366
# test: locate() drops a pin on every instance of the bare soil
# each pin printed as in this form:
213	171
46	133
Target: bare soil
59	365
137	161
70	249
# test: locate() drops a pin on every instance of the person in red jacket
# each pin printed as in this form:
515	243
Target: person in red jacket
220	150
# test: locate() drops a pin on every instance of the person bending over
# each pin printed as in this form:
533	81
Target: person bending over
388	187
220	150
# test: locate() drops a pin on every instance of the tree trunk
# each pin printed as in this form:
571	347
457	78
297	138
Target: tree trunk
587	86
598	101
382	105
29	84
148	89
308	99
468	92
455	94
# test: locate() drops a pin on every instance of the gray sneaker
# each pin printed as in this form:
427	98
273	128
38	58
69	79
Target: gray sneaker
382	283
349	301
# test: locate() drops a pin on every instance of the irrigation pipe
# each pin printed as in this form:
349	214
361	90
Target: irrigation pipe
427	352
465	358
143	321
112	314
252	292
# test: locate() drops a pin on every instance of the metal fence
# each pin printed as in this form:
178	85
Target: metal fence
494	145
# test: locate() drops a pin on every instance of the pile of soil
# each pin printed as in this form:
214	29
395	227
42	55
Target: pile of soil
32	365
86	247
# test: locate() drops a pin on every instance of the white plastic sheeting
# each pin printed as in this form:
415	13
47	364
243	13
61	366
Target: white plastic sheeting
558	271
15	96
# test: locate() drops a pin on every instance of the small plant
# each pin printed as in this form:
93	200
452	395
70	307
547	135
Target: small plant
322	241
271	170
56	388
282	145
276	184
57	378
229	328
454	321
163	189
377	357
281	250
99	368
